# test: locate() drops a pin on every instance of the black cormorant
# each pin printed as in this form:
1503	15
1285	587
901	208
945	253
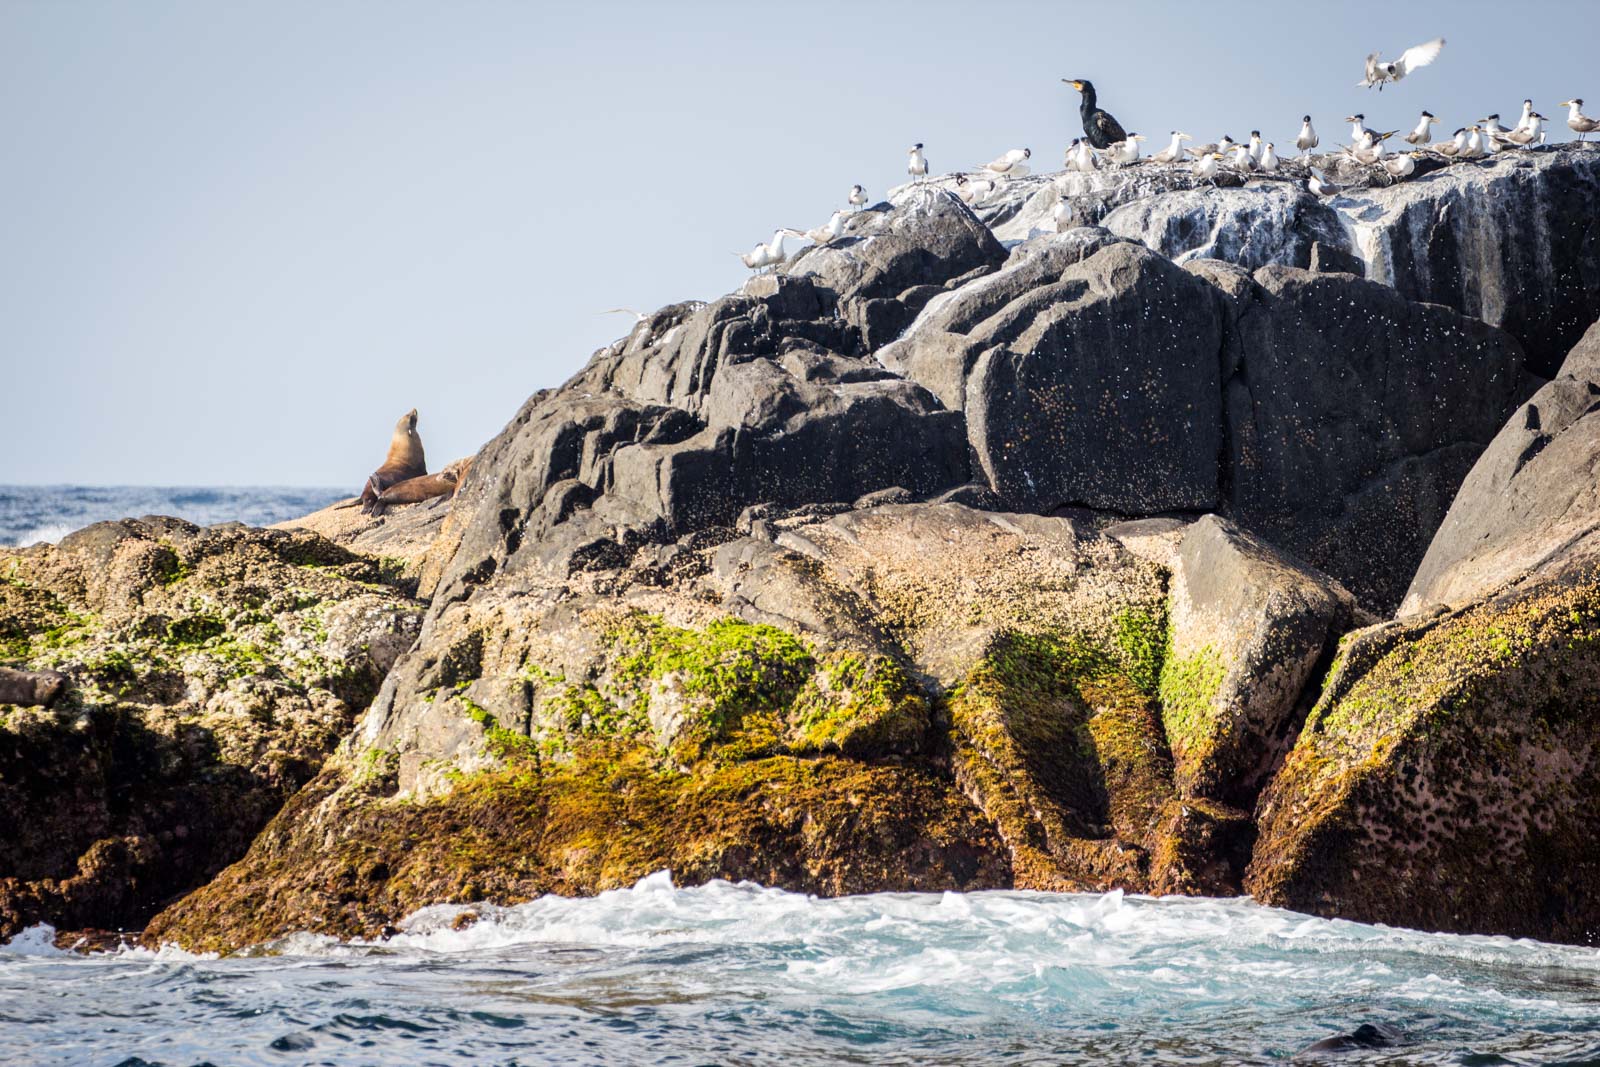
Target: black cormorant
1102	130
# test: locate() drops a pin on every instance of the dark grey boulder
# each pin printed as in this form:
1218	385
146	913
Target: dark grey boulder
1352	416
890	263
1085	380
1532	502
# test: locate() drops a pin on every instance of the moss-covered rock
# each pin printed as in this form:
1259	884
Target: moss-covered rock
209	673
343	858
1449	778
1249	629
898	697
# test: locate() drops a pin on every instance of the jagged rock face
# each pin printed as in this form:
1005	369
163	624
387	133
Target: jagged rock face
1249	628
1449	777
1351	417
702	412
1514	241
1531	502
1327	412
888	264
1510	240
208	674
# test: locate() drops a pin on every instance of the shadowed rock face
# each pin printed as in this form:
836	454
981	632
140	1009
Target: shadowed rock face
1531	502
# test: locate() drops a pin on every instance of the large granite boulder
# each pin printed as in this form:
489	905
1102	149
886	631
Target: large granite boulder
1531	502
200	677
890	263
1248	632
1449	777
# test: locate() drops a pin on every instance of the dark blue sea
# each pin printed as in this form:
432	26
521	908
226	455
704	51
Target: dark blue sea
32	513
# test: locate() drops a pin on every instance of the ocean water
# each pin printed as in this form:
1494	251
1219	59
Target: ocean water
33	513
736	974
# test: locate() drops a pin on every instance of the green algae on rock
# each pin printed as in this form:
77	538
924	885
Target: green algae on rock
210	673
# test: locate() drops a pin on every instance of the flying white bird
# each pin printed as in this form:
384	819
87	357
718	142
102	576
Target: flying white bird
1411	59
1308	138
1577	121
1424	132
1174	151
916	163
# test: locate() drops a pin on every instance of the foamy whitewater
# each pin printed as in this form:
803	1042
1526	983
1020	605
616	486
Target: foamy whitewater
736	974
33	513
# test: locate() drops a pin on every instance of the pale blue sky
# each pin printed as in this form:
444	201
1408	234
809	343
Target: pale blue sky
240	238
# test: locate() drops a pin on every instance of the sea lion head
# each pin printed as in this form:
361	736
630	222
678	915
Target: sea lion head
405	447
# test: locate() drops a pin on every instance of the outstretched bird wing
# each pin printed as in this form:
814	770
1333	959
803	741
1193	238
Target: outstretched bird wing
1418	56
1373	77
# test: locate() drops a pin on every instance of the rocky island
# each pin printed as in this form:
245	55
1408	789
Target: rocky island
1226	540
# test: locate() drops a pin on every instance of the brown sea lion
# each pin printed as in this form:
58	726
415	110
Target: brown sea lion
405	460
416	490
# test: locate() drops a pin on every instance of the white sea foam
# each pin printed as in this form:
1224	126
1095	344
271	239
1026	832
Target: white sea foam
736	972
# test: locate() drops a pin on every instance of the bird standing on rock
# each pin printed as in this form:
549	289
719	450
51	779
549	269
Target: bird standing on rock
1401	166
1255	146
1099	127
1577	121
1269	159
1010	165
1080	157
1174	151
1457	143
1205	168
1524	135
1221	148
1424	132
1308	138
858	197
1318	183
916	163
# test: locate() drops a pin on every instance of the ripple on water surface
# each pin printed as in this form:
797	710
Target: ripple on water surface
736	974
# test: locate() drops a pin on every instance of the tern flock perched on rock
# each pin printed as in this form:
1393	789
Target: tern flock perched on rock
1105	144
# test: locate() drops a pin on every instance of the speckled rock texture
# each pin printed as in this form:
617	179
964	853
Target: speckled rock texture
206	674
1449	776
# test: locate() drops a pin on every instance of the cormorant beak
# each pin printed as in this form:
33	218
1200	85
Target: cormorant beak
1075	83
